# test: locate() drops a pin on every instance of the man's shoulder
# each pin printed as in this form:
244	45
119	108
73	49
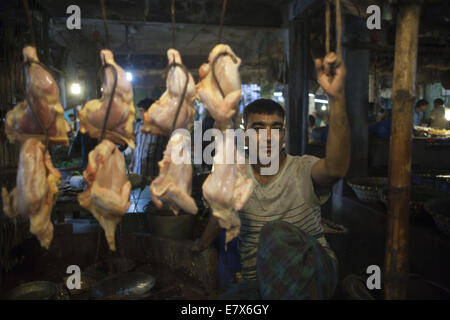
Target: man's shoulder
299	164
303	159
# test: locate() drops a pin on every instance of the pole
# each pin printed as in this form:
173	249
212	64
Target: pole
396	254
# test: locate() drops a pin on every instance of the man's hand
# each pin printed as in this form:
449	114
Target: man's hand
196	247
331	75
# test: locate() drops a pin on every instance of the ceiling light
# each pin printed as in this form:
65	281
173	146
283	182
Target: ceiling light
129	76
75	88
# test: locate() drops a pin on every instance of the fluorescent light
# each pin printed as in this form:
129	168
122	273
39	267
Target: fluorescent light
311	95
129	76
324	107
321	101
75	88
278	94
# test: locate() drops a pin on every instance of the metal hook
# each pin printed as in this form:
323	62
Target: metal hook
214	73
183	95
27	64
108	108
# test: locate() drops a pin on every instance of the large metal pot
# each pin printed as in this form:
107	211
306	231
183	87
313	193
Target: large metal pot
36	290
178	227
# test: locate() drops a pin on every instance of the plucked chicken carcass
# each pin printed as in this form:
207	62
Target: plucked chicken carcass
108	189
227	189
174	182
226	68
35	192
119	127
160	116
42	93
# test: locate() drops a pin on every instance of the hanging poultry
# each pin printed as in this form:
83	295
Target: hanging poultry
227	189
160	116
35	192
42	93
220	104
174	182
108	189
119	127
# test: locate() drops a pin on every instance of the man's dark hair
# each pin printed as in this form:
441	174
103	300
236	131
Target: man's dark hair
421	102
263	106
145	103
438	102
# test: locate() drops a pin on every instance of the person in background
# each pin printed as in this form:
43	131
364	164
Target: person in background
437	115
382	129
143	141
419	110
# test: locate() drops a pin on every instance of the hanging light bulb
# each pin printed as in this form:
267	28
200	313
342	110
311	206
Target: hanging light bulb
75	88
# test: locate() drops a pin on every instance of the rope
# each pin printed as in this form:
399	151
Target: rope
27	65
104	22
214	72
222	17
30	22
327	26
172	13
338	27
183	95
32	107
111	97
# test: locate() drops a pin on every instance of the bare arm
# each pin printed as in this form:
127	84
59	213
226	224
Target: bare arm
337	154
211	232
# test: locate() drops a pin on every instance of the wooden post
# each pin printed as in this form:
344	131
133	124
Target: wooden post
403	94
298	103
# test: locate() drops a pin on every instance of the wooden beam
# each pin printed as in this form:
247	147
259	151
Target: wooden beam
356	90
298	87
403	95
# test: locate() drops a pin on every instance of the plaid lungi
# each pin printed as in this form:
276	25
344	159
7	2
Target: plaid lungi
290	265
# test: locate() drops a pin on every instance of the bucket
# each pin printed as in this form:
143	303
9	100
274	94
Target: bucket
178	227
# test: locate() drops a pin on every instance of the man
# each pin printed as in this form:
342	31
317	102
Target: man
283	251
143	141
421	107
437	115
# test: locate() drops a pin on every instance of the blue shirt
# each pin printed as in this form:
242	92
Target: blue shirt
418	116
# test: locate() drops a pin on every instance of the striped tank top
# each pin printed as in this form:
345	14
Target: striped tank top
290	196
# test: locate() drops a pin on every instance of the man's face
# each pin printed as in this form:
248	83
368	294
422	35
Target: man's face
269	122
423	107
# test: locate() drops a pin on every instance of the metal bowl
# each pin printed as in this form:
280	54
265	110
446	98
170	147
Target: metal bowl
36	290
419	196
130	285
439	209
367	188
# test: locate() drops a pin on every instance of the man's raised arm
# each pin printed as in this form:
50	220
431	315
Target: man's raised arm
331	76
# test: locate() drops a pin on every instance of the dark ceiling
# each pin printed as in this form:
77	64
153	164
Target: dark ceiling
238	13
